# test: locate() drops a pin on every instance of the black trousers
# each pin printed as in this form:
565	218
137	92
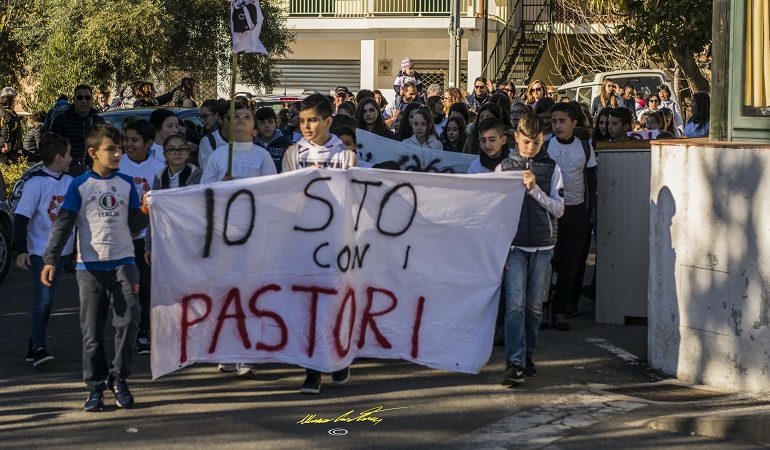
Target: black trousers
144	286
98	291
573	231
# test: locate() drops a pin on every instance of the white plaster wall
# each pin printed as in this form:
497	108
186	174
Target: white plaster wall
709	277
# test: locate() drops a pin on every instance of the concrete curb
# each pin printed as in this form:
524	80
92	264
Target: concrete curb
749	424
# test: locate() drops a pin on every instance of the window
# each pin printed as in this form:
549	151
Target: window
749	74
756	75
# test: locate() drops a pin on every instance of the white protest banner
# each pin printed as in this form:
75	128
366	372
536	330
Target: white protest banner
376	149
643	135
246	25
320	266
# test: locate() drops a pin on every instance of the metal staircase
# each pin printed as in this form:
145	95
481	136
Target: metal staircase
521	43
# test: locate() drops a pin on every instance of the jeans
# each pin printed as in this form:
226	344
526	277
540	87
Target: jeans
98	291
526	280
41	306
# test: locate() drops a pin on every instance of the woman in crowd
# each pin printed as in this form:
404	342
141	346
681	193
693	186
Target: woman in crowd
437	110
451	96
369	118
404	121
509	89
606	98
653	103
698	124
423	131
535	92
381	101
186	95
600	128
454	135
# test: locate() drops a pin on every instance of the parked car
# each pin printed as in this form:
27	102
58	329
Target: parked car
6	231
585	88
187	116
274	101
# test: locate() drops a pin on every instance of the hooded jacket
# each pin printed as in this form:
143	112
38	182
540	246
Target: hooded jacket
276	146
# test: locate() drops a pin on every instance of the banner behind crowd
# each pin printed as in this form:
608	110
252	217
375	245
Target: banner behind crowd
376	149
317	267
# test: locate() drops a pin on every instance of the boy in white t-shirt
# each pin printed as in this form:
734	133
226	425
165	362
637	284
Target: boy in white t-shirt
318	148
578	164
249	159
43	195
137	163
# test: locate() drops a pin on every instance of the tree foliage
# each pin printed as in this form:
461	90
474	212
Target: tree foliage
635	34
677	29
67	42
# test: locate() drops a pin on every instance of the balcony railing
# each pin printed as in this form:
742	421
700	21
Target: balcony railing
392	8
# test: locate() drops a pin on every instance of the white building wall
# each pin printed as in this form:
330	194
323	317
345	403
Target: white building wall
709	278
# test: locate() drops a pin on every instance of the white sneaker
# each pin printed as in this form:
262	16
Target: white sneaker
246	370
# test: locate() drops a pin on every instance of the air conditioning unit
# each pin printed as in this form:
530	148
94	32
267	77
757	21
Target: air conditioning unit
384	67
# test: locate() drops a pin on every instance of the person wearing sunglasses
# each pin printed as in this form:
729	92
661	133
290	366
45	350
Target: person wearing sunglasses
535	91
551	93
75	123
509	89
480	94
653	104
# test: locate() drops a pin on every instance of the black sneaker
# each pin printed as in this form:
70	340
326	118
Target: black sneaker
513	375
560	323
143	345
95	402
30	353
312	384
40	357
341	376
529	368
119	387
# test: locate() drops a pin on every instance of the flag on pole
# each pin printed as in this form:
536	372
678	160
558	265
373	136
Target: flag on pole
246	25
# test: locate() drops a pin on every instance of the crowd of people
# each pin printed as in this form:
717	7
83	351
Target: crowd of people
550	139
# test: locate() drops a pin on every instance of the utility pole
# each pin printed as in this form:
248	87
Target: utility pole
720	70
455	34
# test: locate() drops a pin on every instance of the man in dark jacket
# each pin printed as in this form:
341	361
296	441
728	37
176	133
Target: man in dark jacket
10	127
75	123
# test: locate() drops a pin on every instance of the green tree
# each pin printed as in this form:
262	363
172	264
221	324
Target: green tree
68	42
679	30
11	68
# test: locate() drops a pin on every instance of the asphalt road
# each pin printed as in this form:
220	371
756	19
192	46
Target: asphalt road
200	408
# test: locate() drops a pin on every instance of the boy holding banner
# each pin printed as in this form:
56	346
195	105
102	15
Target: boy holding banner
318	148
527	269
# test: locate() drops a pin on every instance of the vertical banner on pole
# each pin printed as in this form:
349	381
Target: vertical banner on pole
245	27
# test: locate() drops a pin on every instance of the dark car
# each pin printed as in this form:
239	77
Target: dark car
187	116
6	231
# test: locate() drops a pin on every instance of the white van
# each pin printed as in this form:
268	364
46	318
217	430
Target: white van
585	88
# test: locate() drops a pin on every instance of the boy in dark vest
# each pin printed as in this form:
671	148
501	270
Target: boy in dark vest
528	267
